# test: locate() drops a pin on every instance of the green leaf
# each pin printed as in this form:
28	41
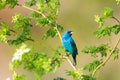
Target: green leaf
56	59
103	49
24	36
116	29
87	77
118	1
23	25
12	3
18	77
21	21
59	78
100	20
4	32
18	55
3	3
91	66
59	27
35	15
93	50
42	21
115	53
37	77
103	31
50	33
76	74
31	3
60	51
107	30
107	12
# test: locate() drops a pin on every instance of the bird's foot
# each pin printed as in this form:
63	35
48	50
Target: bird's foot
67	54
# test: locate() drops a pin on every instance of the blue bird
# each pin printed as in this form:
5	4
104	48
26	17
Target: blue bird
70	45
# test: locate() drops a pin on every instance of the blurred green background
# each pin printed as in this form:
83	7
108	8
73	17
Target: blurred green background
75	15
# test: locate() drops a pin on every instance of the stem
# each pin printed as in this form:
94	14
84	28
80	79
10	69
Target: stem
69	62
58	33
45	46
106	60
32	9
116	19
56	30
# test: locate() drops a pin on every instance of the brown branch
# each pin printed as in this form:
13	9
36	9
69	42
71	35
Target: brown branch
116	19
106	60
66	57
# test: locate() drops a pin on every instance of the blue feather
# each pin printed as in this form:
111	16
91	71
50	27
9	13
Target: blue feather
69	44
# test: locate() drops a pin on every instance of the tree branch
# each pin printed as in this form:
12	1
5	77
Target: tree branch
106	60
116	19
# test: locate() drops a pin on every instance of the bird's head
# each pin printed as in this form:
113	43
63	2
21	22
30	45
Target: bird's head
68	33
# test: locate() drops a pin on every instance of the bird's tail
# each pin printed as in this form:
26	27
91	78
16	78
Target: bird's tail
74	59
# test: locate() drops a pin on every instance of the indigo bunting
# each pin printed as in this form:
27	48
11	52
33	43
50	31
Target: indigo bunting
70	45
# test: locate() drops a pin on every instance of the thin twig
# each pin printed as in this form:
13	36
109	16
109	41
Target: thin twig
106	60
32	9
58	33
69	62
116	19
45	46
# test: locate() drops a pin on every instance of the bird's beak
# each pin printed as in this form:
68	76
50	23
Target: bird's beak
71	32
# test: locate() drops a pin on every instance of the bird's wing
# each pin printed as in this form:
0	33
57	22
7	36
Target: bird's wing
73	45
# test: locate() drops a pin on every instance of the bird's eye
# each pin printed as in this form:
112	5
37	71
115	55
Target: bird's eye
69	32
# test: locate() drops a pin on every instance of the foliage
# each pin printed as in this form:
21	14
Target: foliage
44	14
92	66
94	50
21	23
4	32
18	77
116	53
107	30
59	78
11	3
76	74
102	49
118	1
87	77
38	62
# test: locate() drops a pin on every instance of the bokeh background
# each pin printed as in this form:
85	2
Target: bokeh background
75	15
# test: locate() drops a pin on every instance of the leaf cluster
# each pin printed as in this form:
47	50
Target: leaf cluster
107	31
103	49
4	32
39	62
23	25
103	29
94	50
59	78
118	1
46	15
19	77
11	3
87	77
116	53
92	66
76	74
